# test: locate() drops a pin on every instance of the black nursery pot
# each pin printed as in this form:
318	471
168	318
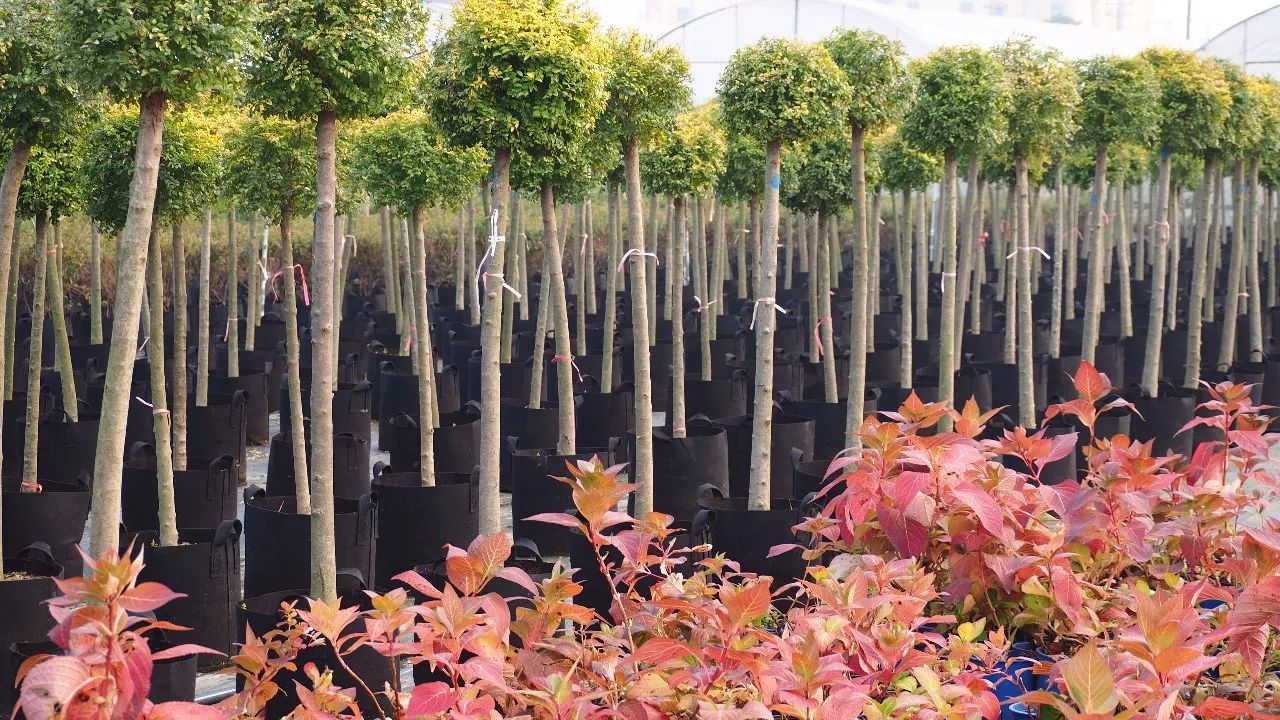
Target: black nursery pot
26	618
599	417
218	429
204	495
65	450
351	408
1160	418
534	490
204	566
456	442
55	516
808	477
683	466
174	679
829	424
350	465
257	408
262	613
277	547
716	398
747	535
418	521
790	433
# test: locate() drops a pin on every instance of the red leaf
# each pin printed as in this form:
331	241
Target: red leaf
563	519
983	505
519	577
1216	708
1066	594
431	699
1063	445
53	683
907	485
147	596
183	711
658	650
1090	384
906	533
180	651
748	603
782	549
1258	606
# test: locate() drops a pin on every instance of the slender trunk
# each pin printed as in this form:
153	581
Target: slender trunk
743	236
512	248
1094	292
718	265
460	263
802	234
979	270
490	337
1122	261
522	260
580	284
1175	254
589	258
95	285
789	253
1140	247
652	270
131	259
1026	361
160	417
753	245
202	313
967	240
826	346
233	297
1235	272
668	287
545	305
57	313
179	347
1059	248
679	231
1218	224
297	434
947	352
858	316
422	352
1199	273
706	319
610	289
642	463
563	360
874	249
35	359
1254	289
253	271
1269	222
910	209
389	274
1159	254
758	493
339	291
921	280
323	371
11	312
1009	261
819	278
471	262
1071	272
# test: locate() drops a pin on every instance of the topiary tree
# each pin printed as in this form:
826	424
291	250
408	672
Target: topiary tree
959	110
822	186
186	180
646	85
740	183
508	75
1194	101
403	161
35	94
910	171
1043	100
322	62
147	54
684	163
876	68
776	91
271	170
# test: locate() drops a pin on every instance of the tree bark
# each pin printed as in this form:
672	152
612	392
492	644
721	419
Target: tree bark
1199	272
947	354
160	417
422	352
512	248
921	280
545	306
460	263
1122	260
1094	293
1175	254
35	358
233	296
471	262
1026	360
323	371
297	430
1218	224
759	483
858	316
565	443
252	273
1254	286
579	250
95	285
1159	254
590	260
1009	261
742	279
490	339
11	313
131	258
202	326
642	464
651	273
966	240
1235	272
57	313
906	261
611	289
1059	260
679	233
706	318
824	322
179	347
389	274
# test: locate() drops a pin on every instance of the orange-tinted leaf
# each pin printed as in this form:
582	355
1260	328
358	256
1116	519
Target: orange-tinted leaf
748	603
1089	681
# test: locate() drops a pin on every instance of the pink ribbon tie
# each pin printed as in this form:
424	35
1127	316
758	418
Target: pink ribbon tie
569	359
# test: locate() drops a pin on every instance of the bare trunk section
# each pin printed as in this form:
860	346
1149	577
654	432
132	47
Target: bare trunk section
95	285
57	313
652	270
1175	254
324	571
1071	256
422	352
1009	261
743	236
492	268
1094	291
1159	254
1254	286
460	263
297	434
233	296
545	305
579	250
967	242
766	308
11	312
35	359
159	401
948	356
824	322
858	316
179	347
1059	250
390	278
1026	360
1122	261
610	288
680	242
642	463
921	280
471	262
911	207
131	259
1235	272
252	273
1199	273
202	327
565	443
512	249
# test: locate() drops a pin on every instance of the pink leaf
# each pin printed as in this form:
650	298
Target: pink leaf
906	533
183	711
1063	445
907	485
53	684
519	577
180	651
147	596
983	505
783	549
485	669
431	699
658	650
562	519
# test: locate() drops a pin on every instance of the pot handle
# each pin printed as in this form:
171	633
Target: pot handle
363	391
139	447
797	456
386	366
254	492
38	550
700	529
228	531
221	466
380	468
354	579
529	548
707	491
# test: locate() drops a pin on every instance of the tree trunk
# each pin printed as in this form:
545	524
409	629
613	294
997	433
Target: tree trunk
1159	254
471	262
706	319
512	248
563	360
753	245
1026	360
389	274
252	273
1235	272
545	306
789	254
490	337
1009	260
460	263
642	463
1122	260
179	347
579	249
11	312
858	316
297	434
652	271
1094	292
824	323
610	289
35	360
95	285
817	279
1254	287
1200	253
680	242
1059	261
131	258
323	371
743	235
921	279
766	308
906	264
1218	225
947	354
1175	254
589	249
1072	254
160	416
14	169
422	352
233	297
202	327
966	240
802	235
57	313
